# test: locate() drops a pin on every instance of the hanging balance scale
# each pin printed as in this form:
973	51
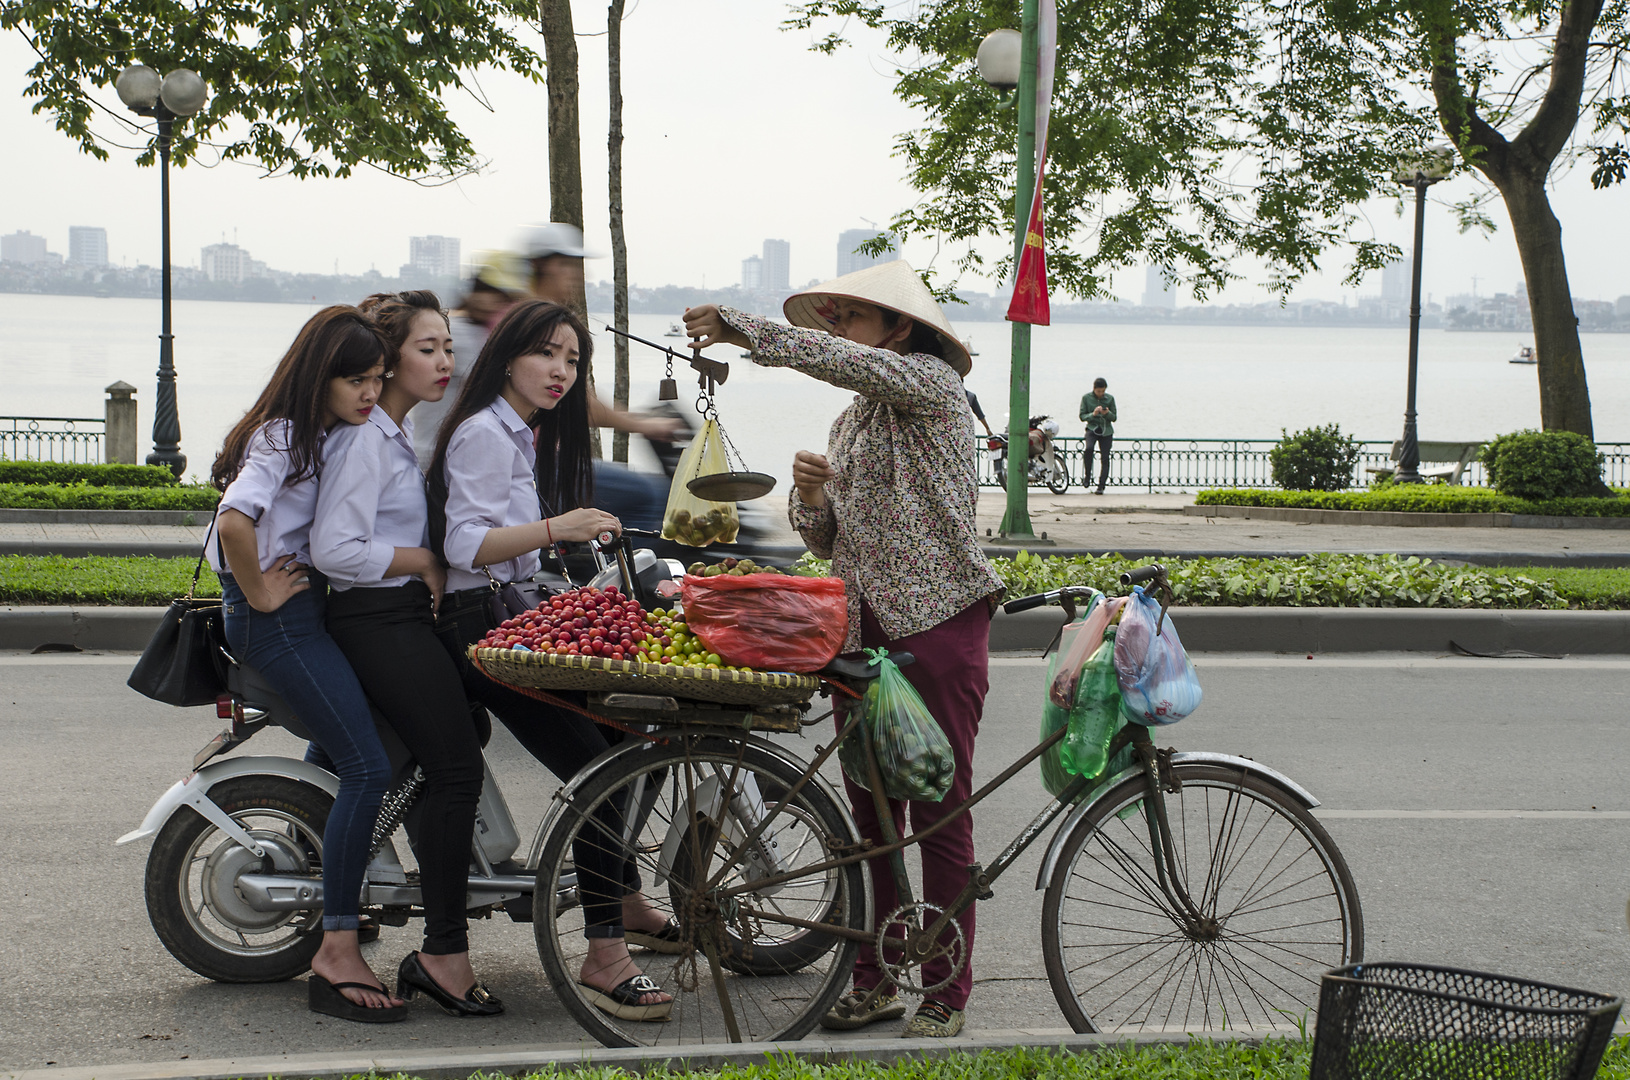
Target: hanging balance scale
738	484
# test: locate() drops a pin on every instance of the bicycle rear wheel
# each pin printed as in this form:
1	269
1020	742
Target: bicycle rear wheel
740	975
1280	905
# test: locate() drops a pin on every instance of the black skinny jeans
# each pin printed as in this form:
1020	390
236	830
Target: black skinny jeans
388	635
564	742
1103	442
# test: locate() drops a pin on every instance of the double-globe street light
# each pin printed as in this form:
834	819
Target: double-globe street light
1437	163
179	94
1007	60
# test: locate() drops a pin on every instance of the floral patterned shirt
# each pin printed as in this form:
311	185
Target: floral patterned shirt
899	520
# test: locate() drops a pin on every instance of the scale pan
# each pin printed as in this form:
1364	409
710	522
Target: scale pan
732	486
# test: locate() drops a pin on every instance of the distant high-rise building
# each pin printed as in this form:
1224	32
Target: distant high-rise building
22	247
434	256
850	260
1156	293
752	273
225	262
88	246
1395	282
777	265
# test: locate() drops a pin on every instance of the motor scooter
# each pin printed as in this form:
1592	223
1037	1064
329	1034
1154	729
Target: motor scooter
1043	467
234	881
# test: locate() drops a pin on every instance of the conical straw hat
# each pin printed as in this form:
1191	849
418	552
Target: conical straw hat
893	285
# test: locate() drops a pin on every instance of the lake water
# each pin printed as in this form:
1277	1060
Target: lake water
58	352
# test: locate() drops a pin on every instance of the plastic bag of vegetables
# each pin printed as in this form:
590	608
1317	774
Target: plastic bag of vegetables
914	757
1158	681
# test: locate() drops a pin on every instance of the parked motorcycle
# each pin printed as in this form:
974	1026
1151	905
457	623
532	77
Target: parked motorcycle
1044	467
234	883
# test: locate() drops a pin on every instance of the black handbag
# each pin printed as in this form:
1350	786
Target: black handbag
184	661
513	598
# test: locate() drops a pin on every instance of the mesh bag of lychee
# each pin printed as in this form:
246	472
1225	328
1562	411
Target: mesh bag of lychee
771	622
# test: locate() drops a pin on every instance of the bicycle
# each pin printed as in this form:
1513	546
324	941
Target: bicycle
1192	891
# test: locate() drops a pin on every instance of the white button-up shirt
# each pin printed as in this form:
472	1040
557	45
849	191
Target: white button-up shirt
281	511
370	502
489	486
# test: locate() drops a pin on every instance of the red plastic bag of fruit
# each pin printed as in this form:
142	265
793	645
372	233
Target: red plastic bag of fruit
772	622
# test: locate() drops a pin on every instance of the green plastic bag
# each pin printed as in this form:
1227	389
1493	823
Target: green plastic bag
913	755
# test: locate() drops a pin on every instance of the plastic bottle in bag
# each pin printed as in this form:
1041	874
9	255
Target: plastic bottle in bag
1096	715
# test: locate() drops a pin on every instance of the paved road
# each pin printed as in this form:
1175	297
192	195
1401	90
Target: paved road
1481	804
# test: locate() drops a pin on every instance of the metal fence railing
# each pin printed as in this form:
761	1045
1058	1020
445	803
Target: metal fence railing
52	438
1193	464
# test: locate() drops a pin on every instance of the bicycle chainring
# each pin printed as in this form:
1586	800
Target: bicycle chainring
902	969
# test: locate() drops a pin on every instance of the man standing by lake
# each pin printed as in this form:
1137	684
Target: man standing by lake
1098	413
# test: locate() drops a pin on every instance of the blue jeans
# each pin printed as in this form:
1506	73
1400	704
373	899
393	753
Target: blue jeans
293	651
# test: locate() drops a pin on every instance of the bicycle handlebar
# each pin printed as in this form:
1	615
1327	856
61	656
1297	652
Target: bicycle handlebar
1142	574
1025	603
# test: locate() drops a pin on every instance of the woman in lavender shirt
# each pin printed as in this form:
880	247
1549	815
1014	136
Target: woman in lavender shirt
275	603
488	515
371	539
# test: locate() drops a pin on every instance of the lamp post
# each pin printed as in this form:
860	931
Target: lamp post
1007	59
179	94
1434	165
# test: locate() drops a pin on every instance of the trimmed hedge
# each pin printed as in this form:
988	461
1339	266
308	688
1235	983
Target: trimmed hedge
1324	580
1419	498
67	472
87	497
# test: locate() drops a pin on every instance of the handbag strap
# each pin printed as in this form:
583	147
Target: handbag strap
203	549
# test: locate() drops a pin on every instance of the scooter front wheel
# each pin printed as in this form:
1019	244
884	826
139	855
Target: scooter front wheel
193	868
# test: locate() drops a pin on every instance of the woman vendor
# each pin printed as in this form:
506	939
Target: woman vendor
892	504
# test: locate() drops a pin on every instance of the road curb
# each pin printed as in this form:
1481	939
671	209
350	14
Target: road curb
519	1061
1203	629
30	516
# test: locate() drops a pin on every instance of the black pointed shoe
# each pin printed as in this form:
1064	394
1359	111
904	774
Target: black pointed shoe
412	978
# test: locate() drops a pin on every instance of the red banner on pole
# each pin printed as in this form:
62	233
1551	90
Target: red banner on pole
1029	303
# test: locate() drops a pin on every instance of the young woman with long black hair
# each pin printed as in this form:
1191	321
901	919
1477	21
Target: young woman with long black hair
275	604
489	517
371	539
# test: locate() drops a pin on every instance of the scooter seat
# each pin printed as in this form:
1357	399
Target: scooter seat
857	667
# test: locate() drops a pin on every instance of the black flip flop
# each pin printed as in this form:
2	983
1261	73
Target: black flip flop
325	997
668	940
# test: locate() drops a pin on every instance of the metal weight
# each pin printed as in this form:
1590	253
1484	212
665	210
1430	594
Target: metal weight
667	390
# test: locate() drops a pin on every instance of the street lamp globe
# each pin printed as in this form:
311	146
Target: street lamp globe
138	86
183	92
998	58
1435	163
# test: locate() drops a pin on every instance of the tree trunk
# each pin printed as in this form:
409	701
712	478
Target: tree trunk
619	241
565	150
1564	396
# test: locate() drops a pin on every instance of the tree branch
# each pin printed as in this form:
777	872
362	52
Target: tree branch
1479	143
1553	123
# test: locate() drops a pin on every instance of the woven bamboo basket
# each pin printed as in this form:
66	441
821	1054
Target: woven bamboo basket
542	671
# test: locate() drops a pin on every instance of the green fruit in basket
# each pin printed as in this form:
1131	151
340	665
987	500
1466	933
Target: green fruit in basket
696	569
681	517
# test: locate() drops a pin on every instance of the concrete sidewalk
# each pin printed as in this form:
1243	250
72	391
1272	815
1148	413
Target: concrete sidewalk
1139	525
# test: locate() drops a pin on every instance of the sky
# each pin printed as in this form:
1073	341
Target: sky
734	132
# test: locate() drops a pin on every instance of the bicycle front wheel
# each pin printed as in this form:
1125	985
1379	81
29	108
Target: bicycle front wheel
1278	909
742	973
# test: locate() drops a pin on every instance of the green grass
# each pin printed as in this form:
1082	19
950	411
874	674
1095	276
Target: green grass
84	496
1418	498
100	580
1199	1059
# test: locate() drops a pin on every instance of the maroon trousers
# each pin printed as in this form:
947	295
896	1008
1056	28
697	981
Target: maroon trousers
952	675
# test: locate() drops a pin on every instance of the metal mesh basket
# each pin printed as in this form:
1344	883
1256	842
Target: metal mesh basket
1416	1022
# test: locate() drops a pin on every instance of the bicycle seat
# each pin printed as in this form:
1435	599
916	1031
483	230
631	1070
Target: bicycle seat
856	666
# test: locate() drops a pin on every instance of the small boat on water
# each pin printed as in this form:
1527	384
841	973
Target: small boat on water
674	330
967	343
1525	355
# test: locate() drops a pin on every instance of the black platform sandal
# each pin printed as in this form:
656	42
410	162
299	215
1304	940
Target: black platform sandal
668	940
325	997
624	1001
